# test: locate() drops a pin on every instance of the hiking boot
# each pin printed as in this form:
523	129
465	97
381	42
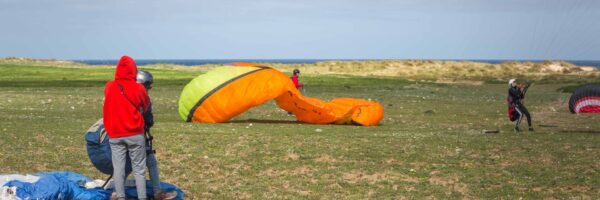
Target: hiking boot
530	129
162	195
113	196
517	130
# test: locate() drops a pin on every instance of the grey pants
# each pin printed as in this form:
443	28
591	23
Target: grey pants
136	146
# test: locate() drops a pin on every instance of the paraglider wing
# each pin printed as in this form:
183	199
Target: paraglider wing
585	99
215	96
226	92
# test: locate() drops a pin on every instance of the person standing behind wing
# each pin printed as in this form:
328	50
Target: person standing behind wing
295	77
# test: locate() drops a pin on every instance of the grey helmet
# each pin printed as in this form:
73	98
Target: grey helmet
296	71
145	78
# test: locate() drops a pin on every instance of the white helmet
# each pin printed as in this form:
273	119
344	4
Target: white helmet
511	81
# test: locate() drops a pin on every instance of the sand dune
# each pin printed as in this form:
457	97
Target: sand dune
413	69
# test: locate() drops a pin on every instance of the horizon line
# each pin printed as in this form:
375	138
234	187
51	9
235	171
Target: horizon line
324	59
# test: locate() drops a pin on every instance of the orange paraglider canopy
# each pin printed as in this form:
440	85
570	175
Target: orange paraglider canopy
226	92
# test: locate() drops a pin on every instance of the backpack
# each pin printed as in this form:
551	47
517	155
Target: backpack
98	149
513	115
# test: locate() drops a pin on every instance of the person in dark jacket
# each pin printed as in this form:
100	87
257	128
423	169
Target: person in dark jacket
515	98
124	102
146	79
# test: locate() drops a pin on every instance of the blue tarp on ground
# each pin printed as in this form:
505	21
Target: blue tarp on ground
69	185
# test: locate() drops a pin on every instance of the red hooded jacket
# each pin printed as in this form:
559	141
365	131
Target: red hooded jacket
295	80
123	108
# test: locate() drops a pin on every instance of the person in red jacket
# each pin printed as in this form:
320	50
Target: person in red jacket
125	101
295	76
299	86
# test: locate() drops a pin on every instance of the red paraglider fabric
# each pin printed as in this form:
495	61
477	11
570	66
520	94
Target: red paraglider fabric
588	105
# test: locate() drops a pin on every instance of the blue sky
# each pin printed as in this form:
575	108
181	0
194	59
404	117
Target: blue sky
282	29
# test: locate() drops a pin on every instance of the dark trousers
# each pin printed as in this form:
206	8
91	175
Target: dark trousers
523	111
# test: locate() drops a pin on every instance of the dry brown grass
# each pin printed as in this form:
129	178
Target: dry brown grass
455	72
446	70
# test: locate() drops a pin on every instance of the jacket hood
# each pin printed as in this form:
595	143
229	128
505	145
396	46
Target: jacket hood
126	69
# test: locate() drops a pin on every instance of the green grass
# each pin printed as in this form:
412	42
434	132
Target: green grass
429	144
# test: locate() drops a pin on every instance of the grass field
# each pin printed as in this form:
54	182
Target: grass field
429	144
